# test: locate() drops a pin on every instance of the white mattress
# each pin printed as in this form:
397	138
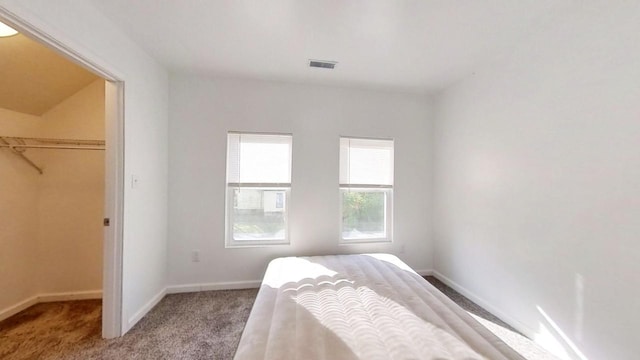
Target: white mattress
359	307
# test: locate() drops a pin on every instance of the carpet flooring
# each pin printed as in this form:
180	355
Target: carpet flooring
467	304
203	325
506	333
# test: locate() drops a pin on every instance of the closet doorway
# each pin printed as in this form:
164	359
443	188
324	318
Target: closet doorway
61	164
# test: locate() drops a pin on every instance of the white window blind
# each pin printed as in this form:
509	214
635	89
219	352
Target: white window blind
258	159
258	189
366	190
366	163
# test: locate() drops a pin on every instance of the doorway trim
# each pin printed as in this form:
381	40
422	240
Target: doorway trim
114	165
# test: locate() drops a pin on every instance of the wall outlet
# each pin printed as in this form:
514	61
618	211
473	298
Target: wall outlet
402	249
195	256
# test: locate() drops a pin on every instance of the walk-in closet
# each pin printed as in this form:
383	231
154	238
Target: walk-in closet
52	178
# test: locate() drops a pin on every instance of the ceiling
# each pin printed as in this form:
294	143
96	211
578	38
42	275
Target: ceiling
418	45
35	78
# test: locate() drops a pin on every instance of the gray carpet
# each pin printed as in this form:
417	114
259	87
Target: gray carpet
204	325
468	305
506	333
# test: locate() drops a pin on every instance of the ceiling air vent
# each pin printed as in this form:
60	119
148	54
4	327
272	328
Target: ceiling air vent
322	64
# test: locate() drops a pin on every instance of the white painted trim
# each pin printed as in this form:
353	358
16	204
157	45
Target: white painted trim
14	309
425	272
145	309
68	296
528	332
112	324
231	285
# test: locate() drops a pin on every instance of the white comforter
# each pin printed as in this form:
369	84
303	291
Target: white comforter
359	307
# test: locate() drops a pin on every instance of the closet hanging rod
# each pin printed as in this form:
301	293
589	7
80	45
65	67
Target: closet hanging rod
60	147
23	140
18	146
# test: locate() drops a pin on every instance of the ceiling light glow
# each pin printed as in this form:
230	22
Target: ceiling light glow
6	30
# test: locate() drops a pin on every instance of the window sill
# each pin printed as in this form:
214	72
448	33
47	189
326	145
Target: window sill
256	244
365	241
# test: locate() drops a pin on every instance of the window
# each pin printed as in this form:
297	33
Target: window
366	189
258	188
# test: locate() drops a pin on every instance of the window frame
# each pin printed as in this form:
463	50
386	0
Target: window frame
387	189
230	242
388	216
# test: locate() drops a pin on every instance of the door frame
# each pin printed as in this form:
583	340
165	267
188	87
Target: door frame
114	164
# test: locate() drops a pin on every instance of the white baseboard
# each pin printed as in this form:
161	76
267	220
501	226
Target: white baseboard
144	310
68	296
486	305
14	309
425	272
183	289
231	285
49	297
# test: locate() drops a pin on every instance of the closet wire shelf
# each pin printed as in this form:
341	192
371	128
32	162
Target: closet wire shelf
19	145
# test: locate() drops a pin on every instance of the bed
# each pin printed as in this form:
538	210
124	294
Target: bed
368	306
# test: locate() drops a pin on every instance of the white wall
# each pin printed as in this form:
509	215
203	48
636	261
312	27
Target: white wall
202	111
80	26
71	196
537	182
19	224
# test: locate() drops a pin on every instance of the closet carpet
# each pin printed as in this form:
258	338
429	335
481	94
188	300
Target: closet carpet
204	325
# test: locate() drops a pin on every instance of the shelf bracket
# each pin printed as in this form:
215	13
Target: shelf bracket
21	155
